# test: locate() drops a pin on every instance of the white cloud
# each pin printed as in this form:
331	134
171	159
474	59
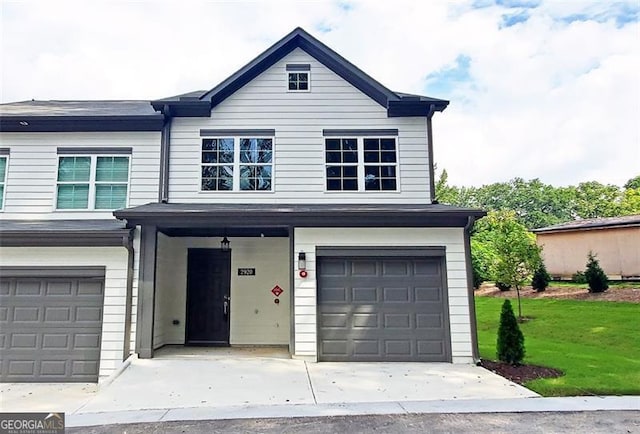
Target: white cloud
552	97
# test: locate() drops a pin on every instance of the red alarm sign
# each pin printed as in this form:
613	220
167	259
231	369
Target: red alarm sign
277	291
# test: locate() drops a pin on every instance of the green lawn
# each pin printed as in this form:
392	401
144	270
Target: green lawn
596	344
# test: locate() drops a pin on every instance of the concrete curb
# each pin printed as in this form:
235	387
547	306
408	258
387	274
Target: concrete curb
516	405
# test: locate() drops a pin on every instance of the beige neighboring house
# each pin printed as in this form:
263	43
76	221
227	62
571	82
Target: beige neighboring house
615	241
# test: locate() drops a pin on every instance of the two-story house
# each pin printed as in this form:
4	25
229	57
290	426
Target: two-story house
292	204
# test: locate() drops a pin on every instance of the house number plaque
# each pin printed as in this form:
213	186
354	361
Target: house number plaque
246	271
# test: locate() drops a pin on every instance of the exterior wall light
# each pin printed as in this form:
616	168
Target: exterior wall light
302	264
224	244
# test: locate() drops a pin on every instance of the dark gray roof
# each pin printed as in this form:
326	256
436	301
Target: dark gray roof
238	215
195	95
63	233
596	223
77	108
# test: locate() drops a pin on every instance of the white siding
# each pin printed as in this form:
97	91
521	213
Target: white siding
307	239
33	166
115	261
255	318
298	119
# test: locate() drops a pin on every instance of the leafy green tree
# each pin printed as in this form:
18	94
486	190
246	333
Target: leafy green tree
594	200
595	275
510	344
630	202
633	183
509	249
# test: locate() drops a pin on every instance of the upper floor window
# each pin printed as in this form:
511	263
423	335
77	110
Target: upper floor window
3	178
237	164
357	164
298	77
92	182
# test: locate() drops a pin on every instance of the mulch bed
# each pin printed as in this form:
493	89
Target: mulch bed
522	373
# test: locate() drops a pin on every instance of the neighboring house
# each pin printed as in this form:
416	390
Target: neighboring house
320	179
615	241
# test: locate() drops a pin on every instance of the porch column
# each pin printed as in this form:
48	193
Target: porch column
146	291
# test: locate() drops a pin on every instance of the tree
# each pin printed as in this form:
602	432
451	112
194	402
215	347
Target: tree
509	249
541	278
595	275
633	183
510	345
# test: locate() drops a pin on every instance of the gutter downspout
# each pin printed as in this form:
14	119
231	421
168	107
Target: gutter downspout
432	182
475	352
127	242
165	143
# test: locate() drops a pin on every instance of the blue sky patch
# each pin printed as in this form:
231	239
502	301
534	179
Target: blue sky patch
621	13
509	4
509	20
441	83
345	6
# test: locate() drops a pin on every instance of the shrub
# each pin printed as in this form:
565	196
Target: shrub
595	276
510	339
503	286
579	277
478	276
541	278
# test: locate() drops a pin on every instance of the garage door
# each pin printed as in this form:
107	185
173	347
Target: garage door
382	309
50	326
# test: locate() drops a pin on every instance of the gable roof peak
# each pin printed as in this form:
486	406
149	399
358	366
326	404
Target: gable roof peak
396	104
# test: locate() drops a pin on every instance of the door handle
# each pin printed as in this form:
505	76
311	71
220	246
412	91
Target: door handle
225	305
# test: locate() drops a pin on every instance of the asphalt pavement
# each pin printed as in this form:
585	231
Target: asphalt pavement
591	422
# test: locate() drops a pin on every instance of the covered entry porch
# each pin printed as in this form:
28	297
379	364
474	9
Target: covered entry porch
422	248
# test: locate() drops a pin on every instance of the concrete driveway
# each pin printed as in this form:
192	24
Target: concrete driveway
231	377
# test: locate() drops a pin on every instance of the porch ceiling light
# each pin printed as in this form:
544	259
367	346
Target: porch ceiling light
302	261
224	244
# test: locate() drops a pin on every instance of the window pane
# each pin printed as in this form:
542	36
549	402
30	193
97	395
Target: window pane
248	151
371	157
71	169
3	168
333	157
332	144
388	157
333	184
388	144
112	169
111	196
371	144
349	157
371	183
350	171
292	85
209	157
209	144
350	144
73	196
350	184
303	86
389	184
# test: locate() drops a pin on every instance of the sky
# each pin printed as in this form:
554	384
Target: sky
538	89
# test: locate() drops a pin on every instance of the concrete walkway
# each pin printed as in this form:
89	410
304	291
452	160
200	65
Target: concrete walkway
213	385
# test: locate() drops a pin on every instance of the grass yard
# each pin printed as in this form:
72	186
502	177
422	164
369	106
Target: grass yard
595	343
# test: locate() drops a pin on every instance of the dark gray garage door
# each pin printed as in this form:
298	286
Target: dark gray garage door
50	327
382	309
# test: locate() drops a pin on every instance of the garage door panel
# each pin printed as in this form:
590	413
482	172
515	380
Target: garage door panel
52	330
397	315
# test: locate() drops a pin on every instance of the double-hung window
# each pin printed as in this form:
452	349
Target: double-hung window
237	164
361	163
3	174
92	182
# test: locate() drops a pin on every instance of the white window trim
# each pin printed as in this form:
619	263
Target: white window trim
4	181
308	89
91	205
237	164
361	164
